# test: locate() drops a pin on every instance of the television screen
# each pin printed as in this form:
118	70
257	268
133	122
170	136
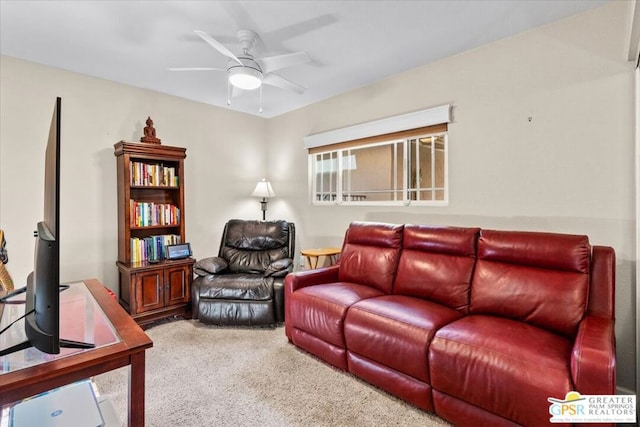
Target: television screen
42	304
51	215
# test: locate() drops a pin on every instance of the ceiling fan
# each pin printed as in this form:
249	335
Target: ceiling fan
245	72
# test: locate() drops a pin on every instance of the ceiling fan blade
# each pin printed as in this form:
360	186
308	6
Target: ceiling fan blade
196	69
217	45
282	83
273	63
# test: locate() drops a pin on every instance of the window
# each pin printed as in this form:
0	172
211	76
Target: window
402	168
427	168
399	160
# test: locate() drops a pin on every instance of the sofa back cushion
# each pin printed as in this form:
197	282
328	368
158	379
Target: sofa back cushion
251	246
370	254
437	264
539	278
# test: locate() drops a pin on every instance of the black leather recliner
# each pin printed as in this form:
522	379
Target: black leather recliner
244	284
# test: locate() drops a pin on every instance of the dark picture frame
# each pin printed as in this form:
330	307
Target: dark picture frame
180	251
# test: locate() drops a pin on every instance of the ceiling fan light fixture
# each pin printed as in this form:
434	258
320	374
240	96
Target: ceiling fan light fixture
245	78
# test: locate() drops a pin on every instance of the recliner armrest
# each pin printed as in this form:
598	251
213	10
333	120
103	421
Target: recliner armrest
210	265
279	268
593	359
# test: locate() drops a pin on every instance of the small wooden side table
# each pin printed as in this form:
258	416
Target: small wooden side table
313	255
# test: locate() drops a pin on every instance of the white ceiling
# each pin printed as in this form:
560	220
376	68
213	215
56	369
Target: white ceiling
351	43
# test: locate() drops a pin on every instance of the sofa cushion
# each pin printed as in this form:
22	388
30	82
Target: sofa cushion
553	251
250	261
497	364
370	254
395	331
236	287
437	264
539	278
224	312
460	413
251	246
404	386
256	235
320	310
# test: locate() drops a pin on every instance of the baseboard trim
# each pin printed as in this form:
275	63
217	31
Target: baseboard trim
623	390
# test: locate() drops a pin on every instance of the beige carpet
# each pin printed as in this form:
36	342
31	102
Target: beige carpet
200	375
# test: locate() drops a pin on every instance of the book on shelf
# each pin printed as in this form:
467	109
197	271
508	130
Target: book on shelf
153	175
147	214
152	247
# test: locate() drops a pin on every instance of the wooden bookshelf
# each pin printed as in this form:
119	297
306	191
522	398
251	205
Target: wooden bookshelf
150	180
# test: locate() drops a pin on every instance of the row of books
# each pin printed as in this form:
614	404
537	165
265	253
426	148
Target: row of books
152	247
153	174
147	214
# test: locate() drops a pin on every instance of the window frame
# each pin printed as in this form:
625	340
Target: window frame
404	138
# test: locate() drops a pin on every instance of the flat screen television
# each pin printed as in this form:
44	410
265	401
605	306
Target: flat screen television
42	303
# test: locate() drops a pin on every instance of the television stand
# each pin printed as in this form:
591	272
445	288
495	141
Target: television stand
92	314
63	344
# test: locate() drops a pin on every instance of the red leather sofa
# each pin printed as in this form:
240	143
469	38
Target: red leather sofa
479	326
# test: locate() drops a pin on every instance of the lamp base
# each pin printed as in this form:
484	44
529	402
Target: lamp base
263	207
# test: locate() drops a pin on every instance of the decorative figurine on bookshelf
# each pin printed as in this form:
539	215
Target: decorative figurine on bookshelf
150	133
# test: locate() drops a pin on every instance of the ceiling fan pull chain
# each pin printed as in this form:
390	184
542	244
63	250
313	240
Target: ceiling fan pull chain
228	92
261	99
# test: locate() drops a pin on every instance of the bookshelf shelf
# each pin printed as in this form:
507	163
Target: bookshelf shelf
150	216
154	187
154	227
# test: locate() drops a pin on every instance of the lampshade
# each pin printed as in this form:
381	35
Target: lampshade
246	78
263	189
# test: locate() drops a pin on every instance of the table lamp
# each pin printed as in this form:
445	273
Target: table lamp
263	189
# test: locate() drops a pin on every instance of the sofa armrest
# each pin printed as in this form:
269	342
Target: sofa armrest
302	279
593	359
603	282
306	278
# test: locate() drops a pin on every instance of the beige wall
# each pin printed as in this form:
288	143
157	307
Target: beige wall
225	159
569	169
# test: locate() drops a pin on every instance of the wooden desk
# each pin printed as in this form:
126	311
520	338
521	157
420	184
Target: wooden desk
313	255
127	348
